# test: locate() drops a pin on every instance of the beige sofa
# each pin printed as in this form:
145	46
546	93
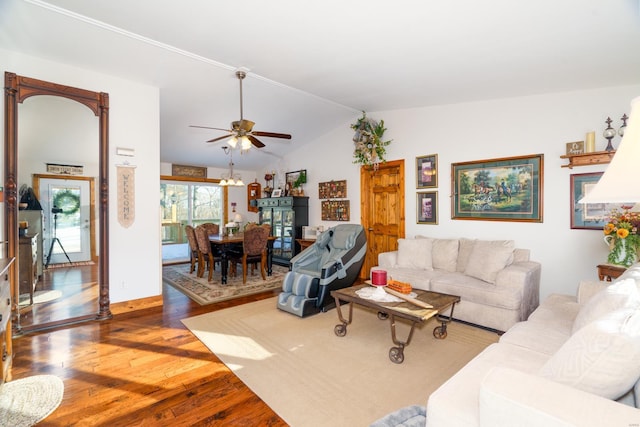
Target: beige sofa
574	362
497	283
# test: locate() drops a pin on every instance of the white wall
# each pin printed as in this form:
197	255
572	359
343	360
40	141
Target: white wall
486	130
135	261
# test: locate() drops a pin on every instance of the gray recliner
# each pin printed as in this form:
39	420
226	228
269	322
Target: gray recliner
332	262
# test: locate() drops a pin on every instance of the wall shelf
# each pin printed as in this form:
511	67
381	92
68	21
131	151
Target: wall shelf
588	159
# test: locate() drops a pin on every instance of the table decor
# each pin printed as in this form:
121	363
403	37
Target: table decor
621	235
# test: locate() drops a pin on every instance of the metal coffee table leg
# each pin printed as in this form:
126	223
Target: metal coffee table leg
341	329
440	332
396	354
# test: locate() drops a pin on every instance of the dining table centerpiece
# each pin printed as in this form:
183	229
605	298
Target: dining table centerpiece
621	235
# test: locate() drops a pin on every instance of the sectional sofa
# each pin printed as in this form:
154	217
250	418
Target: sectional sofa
574	362
498	283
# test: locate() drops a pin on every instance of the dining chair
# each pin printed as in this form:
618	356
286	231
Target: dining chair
212	228
254	250
194	252
207	255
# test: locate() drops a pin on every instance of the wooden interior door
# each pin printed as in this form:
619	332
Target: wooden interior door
382	207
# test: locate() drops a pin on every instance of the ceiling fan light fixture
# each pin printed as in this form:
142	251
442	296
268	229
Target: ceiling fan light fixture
233	141
246	143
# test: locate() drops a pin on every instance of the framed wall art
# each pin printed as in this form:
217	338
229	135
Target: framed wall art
427	207
189	171
504	189
427	171
253	194
590	216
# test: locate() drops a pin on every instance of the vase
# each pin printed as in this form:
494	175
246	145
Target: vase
620	253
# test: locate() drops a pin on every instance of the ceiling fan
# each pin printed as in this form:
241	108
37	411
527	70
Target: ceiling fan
242	130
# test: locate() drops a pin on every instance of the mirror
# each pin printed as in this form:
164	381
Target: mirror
17	90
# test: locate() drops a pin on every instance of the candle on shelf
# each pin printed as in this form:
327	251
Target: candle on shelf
590	145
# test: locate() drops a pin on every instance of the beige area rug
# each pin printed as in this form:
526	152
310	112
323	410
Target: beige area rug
204	292
40	297
312	377
29	400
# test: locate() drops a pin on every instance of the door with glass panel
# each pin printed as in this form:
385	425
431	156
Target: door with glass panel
186	203
67	228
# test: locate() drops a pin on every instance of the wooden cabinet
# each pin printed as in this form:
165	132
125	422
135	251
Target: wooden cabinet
609	272
588	159
286	216
28	258
6	350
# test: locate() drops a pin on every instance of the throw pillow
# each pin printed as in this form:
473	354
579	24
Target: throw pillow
602	358
445	254
488	257
415	253
622	294
464	250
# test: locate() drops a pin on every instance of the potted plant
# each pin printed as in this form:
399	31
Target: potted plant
297	184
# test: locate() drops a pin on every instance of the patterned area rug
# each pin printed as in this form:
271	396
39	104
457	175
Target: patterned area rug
29	400
204	292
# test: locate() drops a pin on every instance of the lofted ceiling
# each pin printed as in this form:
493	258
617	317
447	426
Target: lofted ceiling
313	66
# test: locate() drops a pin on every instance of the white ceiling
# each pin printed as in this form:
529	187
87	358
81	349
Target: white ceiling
313	66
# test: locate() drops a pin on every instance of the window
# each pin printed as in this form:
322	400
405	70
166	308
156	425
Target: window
183	203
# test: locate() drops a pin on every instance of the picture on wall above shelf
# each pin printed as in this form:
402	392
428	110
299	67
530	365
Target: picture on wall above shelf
332	190
335	210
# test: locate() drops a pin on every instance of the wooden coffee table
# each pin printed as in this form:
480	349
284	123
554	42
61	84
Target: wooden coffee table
392	310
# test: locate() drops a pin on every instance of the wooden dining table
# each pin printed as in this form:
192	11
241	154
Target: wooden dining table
223	244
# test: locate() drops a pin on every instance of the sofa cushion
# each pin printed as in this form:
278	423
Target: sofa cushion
477	291
465	246
602	358
488	257
445	254
557	311
415	253
419	278
455	403
536	336
618	295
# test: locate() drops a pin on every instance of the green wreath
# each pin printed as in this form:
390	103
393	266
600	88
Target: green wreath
67	201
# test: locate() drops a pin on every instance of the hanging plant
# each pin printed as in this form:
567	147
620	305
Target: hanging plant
67	201
369	146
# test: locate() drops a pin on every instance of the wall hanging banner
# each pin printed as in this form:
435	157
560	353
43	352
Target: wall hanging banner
126	194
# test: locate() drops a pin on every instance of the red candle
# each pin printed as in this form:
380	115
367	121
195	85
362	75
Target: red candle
378	277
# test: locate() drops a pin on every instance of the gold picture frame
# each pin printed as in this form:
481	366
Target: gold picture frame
189	171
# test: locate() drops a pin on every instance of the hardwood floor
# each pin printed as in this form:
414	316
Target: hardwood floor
141	368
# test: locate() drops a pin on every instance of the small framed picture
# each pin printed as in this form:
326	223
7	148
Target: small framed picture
427	171
276	193
427	207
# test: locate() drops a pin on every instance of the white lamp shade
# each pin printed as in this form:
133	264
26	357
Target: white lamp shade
233	141
620	182
237	218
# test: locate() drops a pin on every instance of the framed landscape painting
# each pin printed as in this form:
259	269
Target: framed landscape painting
504	189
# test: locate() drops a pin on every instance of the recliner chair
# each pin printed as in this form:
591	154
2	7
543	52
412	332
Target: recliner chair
332	262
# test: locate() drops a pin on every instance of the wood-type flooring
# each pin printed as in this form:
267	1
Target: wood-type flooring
141	368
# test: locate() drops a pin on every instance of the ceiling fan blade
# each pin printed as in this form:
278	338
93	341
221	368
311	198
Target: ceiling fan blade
207	127
255	141
219	138
272	134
